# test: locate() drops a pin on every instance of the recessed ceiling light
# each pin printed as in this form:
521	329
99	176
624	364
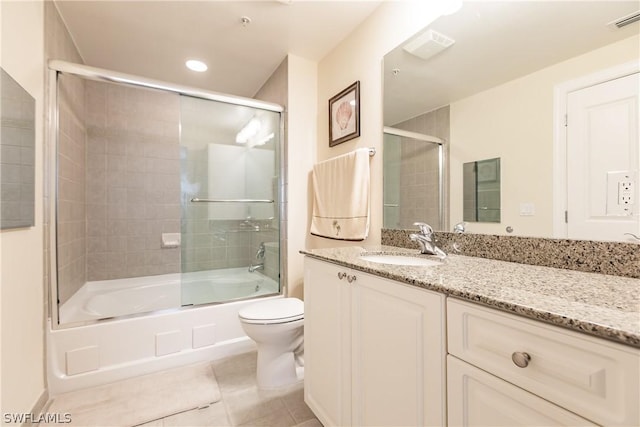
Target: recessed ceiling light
195	65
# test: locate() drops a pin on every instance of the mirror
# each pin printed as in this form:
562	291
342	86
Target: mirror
17	154
481	191
498	80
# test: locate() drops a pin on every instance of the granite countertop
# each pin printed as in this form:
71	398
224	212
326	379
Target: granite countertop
597	304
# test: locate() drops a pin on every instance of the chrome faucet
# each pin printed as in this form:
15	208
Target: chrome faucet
426	240
254	267
260	251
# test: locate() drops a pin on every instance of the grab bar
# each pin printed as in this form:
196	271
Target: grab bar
197	200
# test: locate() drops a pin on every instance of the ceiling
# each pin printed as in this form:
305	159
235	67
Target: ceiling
155	38
497	41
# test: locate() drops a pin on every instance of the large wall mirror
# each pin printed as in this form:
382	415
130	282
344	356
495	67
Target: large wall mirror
496	80
17	154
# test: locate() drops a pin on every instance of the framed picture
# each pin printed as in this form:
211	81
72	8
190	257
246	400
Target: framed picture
344	115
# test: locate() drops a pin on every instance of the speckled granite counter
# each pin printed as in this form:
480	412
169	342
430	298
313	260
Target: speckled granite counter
597	304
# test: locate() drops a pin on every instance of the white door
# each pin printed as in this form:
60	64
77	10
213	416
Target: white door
603	157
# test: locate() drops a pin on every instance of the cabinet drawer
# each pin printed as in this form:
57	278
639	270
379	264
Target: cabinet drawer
592	377
476	398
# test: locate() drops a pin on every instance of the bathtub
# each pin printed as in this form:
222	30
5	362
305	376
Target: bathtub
88	352
120	297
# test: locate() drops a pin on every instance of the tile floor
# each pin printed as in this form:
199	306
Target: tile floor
243	404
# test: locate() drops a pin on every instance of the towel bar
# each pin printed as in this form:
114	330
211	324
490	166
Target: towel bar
197	200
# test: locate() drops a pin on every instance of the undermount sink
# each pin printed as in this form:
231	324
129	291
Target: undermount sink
400	260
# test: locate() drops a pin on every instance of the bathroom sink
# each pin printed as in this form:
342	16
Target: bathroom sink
400	260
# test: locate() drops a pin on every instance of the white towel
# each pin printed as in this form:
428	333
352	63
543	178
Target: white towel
341	197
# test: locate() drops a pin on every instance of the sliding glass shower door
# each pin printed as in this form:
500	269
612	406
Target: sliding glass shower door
229	160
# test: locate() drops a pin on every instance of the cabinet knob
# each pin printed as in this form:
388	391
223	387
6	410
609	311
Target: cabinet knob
341	275
521	359
351	279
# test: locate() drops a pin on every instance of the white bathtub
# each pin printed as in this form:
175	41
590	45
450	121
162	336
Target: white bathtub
119	297
167	336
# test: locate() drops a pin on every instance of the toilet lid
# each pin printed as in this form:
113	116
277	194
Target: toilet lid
279	310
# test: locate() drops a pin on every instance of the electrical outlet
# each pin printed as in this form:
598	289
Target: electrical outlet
625	192
621	193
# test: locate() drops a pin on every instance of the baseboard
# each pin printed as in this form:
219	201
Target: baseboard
38	408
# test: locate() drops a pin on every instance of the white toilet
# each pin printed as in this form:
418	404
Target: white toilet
277	326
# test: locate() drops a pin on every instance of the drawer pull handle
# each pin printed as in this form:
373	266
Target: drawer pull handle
341	275
521	359
351	278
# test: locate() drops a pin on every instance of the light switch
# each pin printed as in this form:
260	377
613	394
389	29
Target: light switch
527	209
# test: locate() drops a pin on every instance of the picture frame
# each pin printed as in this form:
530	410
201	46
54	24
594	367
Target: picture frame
344	115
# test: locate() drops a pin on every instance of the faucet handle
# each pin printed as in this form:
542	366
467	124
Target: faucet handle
459	228
425	229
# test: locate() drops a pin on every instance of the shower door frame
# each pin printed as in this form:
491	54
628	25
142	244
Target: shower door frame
390	130
57	67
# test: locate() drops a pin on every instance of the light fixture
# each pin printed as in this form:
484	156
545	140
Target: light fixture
264	140
195	65
249	130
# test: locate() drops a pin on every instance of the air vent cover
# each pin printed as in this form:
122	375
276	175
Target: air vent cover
428	44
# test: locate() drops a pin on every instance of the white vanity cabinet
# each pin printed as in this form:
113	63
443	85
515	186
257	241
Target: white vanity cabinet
374	349
507	370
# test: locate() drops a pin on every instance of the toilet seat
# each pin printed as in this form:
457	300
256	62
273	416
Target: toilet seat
281	310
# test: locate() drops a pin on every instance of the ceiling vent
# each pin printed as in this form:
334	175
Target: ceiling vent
428	44
625	20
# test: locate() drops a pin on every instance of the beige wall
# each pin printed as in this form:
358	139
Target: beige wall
302	118
514	121
359	57
21	250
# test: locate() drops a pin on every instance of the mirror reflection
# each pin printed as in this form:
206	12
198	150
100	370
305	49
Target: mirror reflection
481	191
508	73
17	154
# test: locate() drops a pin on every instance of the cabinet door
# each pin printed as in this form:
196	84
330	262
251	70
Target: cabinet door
398	354
327	342
476	398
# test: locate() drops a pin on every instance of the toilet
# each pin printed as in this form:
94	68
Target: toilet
277	327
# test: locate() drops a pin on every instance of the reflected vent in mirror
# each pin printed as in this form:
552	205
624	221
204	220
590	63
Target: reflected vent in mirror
428	44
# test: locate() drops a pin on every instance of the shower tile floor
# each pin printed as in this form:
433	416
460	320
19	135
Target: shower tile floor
243	404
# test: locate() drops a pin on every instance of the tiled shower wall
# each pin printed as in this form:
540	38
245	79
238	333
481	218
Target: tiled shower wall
71	227
419	172
133	181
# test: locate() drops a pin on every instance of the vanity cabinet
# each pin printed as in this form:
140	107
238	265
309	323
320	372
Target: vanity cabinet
374	349
508	370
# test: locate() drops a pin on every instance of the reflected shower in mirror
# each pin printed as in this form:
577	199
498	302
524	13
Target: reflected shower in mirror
415	171
481	190
505	85
17	154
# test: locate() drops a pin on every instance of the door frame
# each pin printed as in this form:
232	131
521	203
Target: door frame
560	94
